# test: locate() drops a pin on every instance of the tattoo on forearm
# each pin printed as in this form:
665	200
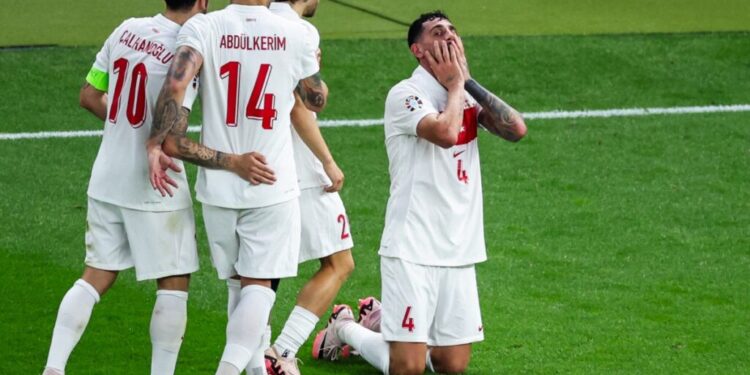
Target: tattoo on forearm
167	113
190	150
201	155
497	115
310	90
186	57
168	116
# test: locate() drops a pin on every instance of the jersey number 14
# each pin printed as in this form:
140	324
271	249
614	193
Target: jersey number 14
267	114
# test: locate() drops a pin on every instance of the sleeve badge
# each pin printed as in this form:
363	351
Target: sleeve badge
413	103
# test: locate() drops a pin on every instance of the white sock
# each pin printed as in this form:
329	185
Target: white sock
267	337
259	357
167	329
72	317
233	293
247	325
370	345
296	330
227	369
428	362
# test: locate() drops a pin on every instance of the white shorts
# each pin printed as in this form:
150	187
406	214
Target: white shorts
158	244
260	243
435	305
325	226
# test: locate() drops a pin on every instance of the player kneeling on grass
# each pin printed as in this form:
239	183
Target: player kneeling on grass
128	223
434	231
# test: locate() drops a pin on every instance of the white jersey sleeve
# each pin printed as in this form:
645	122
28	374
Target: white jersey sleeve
190	34
191	93
312	34
308	56
405	107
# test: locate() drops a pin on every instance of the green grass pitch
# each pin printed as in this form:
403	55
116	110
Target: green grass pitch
617	245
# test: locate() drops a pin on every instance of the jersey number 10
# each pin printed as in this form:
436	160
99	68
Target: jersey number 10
267	114
136	110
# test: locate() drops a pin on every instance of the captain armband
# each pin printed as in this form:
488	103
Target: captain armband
98	79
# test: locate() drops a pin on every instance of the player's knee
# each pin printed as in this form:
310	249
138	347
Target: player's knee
346	266
450	365
341	263
452	368
406	366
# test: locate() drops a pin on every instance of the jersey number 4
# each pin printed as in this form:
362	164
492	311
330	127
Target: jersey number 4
136	110
408	321
267	114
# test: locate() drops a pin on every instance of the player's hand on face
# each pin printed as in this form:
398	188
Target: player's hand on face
158	164
336	175
462	57
443	60
253	168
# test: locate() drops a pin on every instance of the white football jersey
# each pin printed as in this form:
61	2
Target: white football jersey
434	213
136	58
310	172
252	62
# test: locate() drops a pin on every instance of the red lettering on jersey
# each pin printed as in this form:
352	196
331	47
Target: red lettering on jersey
408	321
469	126
461	173
167	58
256	43
151	48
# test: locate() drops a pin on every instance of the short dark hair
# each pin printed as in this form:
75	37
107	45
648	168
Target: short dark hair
415	30
180	4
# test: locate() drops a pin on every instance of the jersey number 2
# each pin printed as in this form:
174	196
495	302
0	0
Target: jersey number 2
267	114
136	110
344	233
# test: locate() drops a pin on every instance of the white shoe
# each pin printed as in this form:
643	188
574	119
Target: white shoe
369	313
327	344
279	365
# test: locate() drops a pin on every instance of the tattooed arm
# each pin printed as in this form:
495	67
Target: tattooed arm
168	115
169	130
250	166
313	92
497	116
94	101
169	111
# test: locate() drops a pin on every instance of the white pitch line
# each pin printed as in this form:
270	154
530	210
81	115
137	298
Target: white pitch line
636	112
552	115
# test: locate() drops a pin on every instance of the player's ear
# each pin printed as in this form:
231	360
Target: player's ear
201	6
416	50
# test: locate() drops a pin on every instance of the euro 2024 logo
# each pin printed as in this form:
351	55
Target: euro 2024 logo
413	103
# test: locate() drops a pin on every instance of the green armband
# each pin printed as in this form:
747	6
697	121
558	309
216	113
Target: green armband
98	79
